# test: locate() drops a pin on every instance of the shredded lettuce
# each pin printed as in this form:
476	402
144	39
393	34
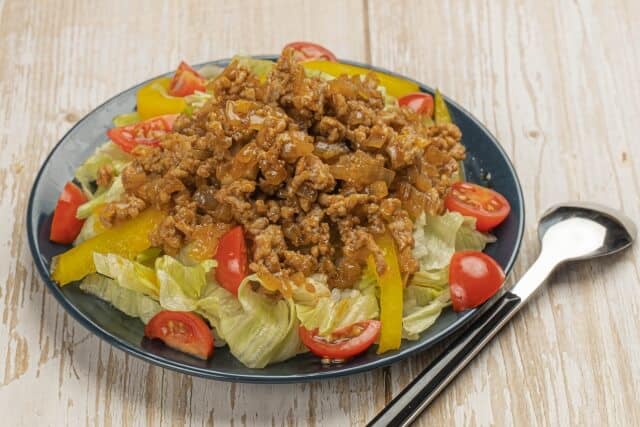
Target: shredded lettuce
111	195
129	274
131	303
181	286
107	154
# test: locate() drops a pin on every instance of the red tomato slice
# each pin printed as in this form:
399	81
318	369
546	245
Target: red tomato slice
347	343
473	278
147	132
183	331
307	51
231	255
65	227
185	81
421	103
488	207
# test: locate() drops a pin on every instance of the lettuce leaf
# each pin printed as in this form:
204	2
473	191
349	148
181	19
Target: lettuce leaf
216	303
111	195
436	279
258	328
423	301
210	71
309	72
470	239
259	67
421	310
129	274
181	286
342	308
131	303
197	99
148	256
435	238
107	154
314	289
438	237
89	229
126	119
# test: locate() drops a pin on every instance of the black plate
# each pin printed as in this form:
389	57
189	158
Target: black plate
486	164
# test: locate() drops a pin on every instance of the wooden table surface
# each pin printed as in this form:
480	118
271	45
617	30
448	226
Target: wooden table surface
556	81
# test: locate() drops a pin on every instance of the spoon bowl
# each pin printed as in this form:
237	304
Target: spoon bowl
579	231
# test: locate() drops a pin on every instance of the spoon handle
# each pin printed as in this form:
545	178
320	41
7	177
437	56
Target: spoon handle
411	401
415	397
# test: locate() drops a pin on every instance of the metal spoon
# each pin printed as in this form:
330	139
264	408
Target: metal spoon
568	232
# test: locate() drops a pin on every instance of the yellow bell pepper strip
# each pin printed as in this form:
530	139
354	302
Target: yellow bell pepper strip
154	100
127	239
395	86
441	112
391	288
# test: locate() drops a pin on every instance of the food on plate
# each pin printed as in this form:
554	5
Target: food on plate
348	341
488	207
65	226
473	278
183	331
307	51
282	207
147	132
421	103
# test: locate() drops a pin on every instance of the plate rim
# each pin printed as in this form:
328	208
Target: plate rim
147	356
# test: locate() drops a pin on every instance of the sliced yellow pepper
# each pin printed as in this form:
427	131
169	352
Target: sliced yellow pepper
395	86
441	112
391	287
154	100
127	239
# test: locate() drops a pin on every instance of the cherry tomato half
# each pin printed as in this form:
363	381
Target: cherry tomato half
147	132
348	341
231	255
307	51
183	331
65	227
185	81
473	278
488	207
421	103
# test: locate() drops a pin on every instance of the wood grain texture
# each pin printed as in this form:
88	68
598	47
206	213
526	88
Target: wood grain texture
557	82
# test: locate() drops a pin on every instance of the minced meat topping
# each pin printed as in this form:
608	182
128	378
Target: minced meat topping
312	169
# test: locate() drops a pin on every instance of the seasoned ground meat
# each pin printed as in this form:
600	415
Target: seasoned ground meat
105	176
313	170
